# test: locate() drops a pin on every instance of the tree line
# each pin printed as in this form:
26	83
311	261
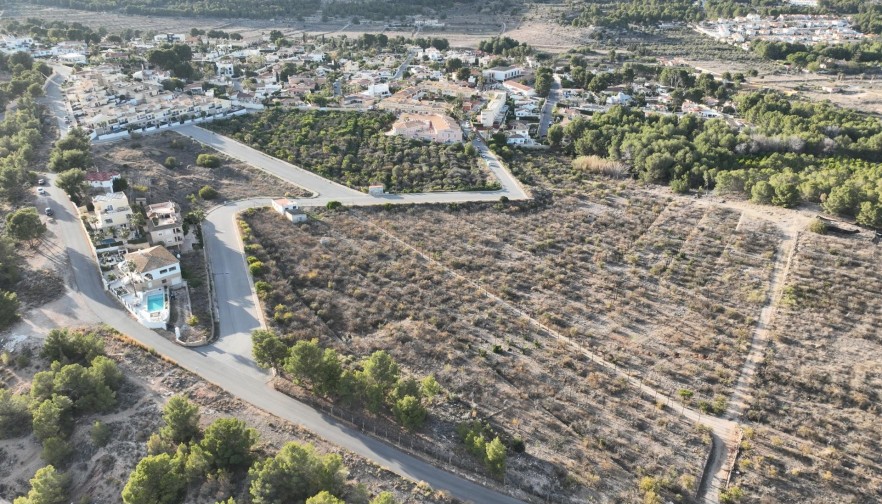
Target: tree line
865	15
375	383
183	456
20	135
261	9
811	57
791	151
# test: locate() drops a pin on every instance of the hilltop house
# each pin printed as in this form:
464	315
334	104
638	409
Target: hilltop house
164	224
112	210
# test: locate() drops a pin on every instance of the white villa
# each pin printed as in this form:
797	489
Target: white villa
112	210
503	73
142	281
164	224
151	268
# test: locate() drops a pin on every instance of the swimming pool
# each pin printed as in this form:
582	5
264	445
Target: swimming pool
155	302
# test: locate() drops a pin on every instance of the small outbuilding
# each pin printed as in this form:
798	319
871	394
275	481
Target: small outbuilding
289	210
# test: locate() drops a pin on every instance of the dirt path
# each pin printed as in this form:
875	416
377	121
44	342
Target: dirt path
743	392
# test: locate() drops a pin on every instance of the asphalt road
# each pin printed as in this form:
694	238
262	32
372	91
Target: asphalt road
54	99
228	363
226	366
548	107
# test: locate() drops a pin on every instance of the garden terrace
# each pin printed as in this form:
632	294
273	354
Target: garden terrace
588	433
352	148
818	387
668	289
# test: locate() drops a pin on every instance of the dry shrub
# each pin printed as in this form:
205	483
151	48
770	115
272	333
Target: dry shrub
600	166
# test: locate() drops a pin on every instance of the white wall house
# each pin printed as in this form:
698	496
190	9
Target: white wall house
378	90
225	69
151	268
494	112
503	73
289	209
102	180
164	224
112	210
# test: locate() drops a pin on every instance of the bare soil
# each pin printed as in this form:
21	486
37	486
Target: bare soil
140	161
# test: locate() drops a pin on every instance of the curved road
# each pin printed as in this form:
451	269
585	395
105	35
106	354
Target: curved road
228	363
225	365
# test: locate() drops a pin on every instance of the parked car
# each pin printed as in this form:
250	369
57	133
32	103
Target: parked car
41	191
50	212
41	182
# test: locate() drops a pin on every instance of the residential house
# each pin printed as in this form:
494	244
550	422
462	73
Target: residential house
151	268
164	224
378	90
619	98
102	180
112	210
519	88
433	127
225	70
495	110
501	74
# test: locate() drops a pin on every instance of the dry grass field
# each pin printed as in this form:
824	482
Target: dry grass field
817	398
141	161
588	434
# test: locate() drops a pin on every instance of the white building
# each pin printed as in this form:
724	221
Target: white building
378	90
102	180
112	210
151	268
225	69
495	110
289	209
169	38
500	74
519	88
164	224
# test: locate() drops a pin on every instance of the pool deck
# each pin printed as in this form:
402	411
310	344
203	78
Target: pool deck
137	303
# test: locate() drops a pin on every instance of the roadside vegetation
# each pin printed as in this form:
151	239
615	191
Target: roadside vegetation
353	149
78	430
21	134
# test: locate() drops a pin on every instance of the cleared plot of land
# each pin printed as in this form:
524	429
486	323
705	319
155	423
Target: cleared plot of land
352	148
665	288
142	161
587	433
818	387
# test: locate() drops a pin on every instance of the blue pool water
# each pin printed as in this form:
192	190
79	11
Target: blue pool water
155	302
